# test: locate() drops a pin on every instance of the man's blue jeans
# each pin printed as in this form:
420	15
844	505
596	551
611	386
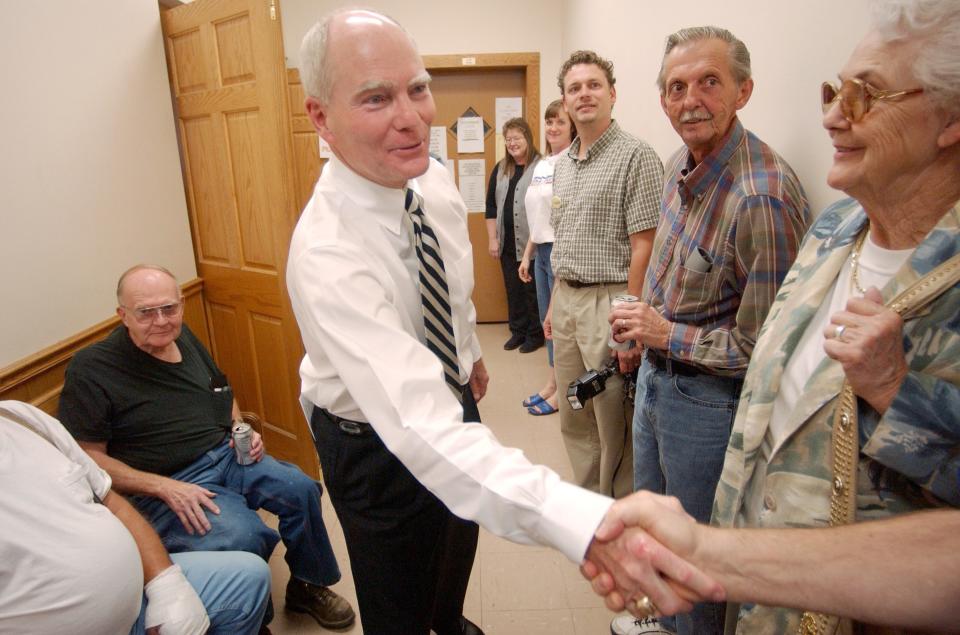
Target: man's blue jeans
278	487
681	427
233	586
543	276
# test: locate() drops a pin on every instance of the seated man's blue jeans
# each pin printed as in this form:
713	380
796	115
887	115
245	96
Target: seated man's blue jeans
233	586
681	427
279	487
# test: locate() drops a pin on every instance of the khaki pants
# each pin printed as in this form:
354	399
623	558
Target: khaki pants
597	438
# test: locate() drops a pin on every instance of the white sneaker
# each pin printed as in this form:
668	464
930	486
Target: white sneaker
630	625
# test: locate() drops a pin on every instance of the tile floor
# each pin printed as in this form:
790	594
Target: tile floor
514	589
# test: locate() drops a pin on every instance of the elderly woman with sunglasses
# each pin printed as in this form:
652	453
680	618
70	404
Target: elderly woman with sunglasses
851	405
850	410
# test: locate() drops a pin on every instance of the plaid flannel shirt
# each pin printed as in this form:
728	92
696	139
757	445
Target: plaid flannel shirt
730	229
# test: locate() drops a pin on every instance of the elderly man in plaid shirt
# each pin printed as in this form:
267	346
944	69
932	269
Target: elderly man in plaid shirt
733	215
606	198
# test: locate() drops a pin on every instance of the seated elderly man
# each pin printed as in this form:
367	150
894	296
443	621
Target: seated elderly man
152	409
77	558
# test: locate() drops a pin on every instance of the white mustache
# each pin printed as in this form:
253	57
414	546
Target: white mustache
695	115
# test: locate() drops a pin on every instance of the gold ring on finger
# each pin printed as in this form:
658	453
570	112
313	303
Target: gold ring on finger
645	606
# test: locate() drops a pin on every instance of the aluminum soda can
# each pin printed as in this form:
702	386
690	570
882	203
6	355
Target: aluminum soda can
623	298
242	435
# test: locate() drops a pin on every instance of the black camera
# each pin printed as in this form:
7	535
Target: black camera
590	384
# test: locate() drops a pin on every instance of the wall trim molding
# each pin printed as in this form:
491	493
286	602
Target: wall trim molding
38	379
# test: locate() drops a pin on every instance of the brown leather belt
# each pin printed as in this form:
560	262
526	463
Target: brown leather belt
576	284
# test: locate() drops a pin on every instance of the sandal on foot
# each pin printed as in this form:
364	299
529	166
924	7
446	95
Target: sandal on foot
542	408
533	400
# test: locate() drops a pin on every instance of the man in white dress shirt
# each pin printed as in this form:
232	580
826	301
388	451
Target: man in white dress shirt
388	417
75	557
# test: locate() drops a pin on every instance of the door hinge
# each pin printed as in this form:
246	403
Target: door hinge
273	10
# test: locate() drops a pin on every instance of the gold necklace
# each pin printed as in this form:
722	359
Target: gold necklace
855	263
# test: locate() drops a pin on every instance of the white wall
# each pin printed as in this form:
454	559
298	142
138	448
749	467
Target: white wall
89	174
794	47
454	26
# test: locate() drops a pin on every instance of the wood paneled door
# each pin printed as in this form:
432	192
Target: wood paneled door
475	81
226	65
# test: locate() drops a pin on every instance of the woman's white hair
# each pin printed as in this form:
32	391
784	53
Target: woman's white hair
937	23
315	75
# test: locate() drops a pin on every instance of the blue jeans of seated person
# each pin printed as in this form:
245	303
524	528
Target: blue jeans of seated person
681	426
543	276
234	587
279	487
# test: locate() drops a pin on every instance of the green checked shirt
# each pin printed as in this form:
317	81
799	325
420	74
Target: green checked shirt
599	201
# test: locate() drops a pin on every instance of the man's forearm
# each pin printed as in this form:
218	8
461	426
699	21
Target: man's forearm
126	479
152	552
900	571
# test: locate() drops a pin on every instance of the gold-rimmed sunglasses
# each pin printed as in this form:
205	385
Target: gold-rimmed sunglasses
857	97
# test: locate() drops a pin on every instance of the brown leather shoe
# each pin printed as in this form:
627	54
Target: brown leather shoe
329	609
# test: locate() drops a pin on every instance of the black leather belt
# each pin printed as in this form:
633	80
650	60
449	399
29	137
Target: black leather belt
346	425
672	366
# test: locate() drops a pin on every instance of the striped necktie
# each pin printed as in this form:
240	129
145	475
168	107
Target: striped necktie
434	293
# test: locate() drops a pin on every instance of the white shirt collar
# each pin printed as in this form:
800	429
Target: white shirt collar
386	204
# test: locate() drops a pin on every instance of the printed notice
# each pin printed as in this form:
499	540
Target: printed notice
508	108
469	135
471	184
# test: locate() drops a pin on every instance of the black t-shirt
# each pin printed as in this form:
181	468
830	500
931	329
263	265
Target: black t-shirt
154	415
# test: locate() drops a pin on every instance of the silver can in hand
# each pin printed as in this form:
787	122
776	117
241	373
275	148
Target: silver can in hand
242	435
623	298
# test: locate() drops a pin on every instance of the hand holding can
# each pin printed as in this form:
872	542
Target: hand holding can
623	298
242	435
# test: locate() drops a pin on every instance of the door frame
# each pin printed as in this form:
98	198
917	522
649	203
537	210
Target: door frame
529	62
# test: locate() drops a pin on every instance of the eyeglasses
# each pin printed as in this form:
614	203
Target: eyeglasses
857	97
514	140
152	313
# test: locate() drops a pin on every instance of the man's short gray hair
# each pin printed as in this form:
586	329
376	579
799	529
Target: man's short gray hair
315	71
739	55
141	266
937	23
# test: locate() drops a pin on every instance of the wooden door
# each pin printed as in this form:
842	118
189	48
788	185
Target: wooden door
306	148
461	82
226	65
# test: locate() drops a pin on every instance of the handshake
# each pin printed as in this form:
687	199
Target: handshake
640	558
650	557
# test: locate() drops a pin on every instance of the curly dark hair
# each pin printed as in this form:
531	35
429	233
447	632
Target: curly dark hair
586	57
